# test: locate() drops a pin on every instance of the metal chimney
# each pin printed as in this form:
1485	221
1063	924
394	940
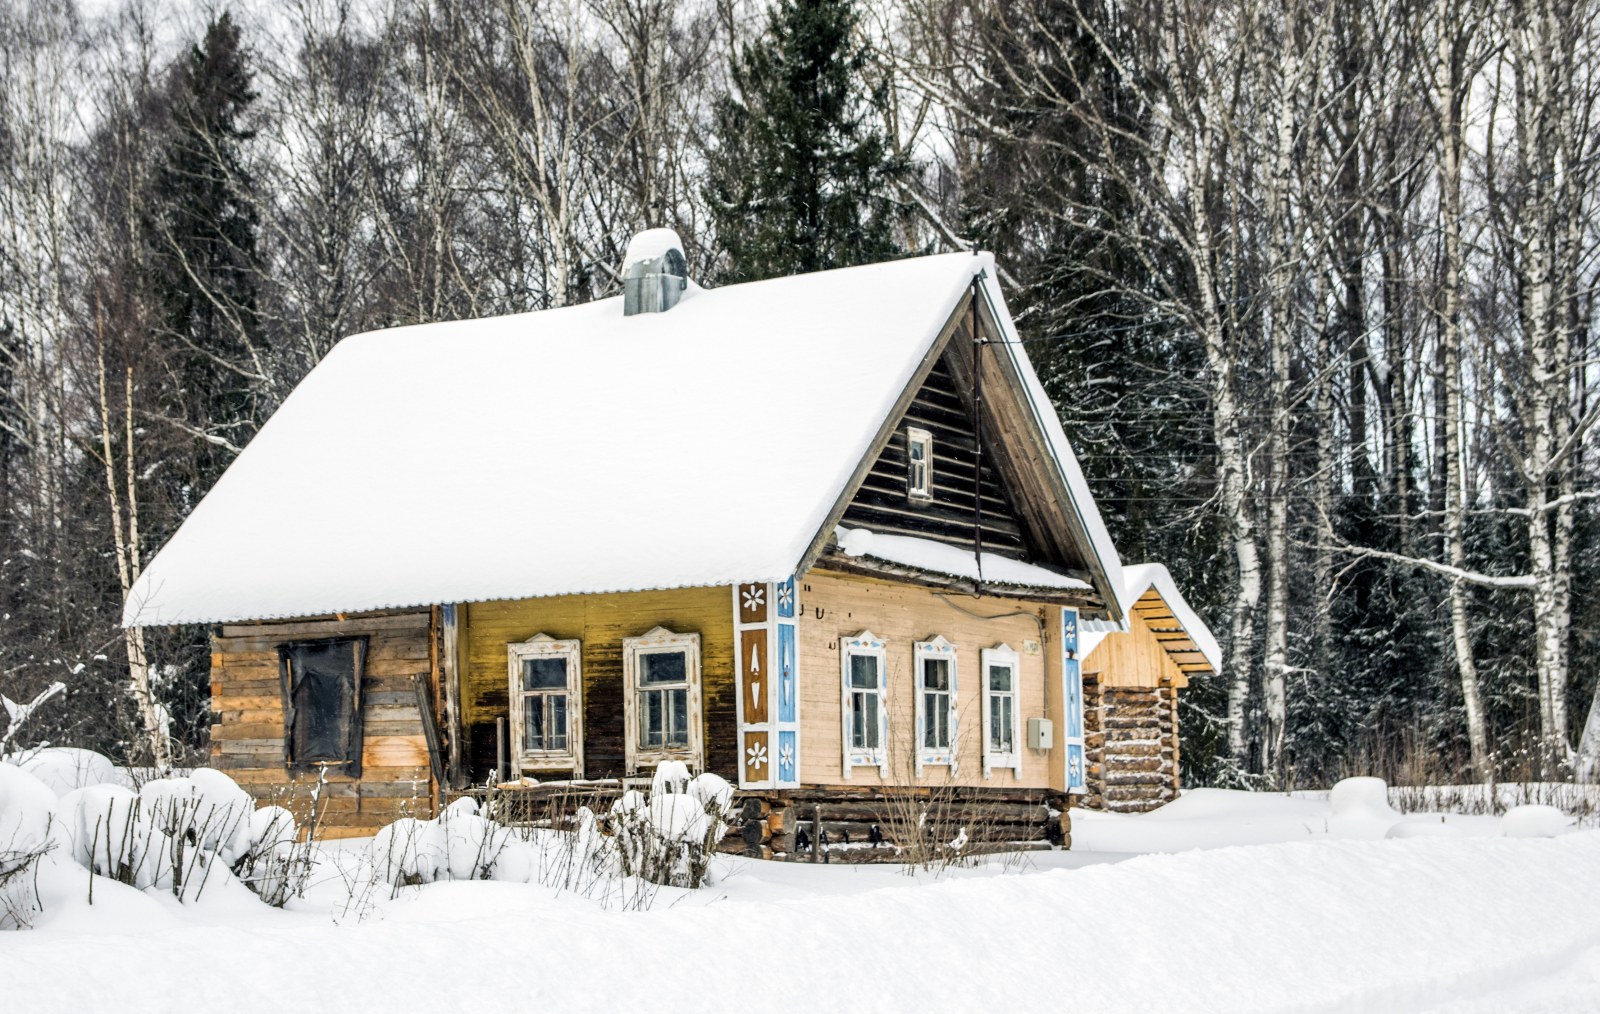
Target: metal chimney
654	272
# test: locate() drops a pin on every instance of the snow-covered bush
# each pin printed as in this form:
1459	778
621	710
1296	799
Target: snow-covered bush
671	838
169	835
172	834
26	823
408	851
1534	821
102	829
665	838
65	768
274	862
461	844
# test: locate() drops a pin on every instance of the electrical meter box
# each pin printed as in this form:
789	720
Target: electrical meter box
1041	733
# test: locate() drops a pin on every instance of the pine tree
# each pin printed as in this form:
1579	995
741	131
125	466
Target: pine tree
801	179
205	264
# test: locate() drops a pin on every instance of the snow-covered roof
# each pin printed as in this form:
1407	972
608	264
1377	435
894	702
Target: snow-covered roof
1138	579
572	451
939	558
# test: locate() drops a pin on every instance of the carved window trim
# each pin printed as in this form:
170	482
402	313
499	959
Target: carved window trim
936	708
864	645
1001	656
919	464
545	646
660	640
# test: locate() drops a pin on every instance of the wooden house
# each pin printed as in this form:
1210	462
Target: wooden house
822	535
1132	672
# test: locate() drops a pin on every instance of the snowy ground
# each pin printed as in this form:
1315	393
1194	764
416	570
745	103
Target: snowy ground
1222	901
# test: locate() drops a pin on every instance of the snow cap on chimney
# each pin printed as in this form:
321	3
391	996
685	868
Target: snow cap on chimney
654	272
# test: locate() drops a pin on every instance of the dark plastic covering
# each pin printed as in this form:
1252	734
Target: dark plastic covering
322	703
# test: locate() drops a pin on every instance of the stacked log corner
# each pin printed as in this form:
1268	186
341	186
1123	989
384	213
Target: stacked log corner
1131	739
247	732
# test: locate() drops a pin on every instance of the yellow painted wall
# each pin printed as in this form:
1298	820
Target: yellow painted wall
1133	659
902	614
600	622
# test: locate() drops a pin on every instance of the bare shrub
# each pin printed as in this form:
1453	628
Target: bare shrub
19	890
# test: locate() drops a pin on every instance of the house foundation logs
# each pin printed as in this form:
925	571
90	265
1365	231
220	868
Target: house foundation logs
853	825
1131	743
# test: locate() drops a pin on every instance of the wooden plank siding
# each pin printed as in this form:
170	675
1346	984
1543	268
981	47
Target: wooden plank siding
600	622
247	734
837	606
882	505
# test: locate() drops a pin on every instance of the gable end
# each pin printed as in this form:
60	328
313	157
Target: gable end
882	503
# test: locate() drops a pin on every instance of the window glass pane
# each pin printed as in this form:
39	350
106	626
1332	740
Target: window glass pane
996	723
544	673
864	672
936	674
558	721
533	723
1007	723
1000	678
653	725
919	449
869	722
663	667
935	721
678	705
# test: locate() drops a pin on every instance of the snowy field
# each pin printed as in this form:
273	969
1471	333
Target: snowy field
1221	901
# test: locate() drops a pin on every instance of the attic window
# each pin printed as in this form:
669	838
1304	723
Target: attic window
321	685
919	464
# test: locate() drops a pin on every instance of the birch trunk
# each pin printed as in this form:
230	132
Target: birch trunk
1451	93
125	536
1546	141
1280	324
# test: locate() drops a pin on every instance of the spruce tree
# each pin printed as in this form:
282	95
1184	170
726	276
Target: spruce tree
801	178
204	261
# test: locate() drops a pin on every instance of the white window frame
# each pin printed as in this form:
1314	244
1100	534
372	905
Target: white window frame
1002	655
661	641
545	646
919	487
937	649
869	645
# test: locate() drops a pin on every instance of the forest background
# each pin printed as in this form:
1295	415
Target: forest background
1311	285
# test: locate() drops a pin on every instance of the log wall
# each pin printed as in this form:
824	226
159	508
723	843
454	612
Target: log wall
1131	741
857	824
247	732
600	622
